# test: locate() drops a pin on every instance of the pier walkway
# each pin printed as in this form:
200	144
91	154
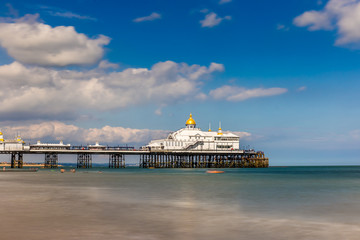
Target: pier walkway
150	159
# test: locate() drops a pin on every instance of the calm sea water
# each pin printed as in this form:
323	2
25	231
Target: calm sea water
274	203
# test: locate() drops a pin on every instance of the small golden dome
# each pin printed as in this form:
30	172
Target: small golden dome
219	131
190	121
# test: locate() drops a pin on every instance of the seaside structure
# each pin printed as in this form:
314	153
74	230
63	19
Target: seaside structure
96	146
192	138
14	145
188	147
54	146
11	144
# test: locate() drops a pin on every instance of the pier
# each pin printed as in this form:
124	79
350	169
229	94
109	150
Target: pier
189	147
149	159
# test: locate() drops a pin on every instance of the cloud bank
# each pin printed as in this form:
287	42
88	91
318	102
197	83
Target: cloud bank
29	41
340	15
56	131
45	93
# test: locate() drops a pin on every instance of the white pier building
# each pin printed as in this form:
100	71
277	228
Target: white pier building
12	144
47	146
192	138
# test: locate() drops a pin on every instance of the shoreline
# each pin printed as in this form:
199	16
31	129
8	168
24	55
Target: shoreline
41	165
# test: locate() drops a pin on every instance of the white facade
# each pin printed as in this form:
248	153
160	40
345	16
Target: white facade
14	144
97	146
192	138
45	146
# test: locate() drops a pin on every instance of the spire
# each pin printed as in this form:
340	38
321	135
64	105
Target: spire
219	131
1	136
209	127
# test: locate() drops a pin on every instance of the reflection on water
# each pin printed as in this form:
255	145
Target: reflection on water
274	203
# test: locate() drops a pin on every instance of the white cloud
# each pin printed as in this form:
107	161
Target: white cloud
282	27
29	41
12	11
240	134
59	12
205	10
342	15
56	131
43	93
314	20
233	93
224	1
355	134
104	64
301	89
153	16
212	20
67	14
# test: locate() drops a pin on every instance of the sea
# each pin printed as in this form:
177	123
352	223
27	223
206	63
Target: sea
133	203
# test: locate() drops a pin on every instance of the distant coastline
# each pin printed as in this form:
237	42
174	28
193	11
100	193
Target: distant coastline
7	164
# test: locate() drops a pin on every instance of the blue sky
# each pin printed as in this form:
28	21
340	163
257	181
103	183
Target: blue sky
282	74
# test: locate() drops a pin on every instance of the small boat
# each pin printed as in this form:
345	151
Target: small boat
214	171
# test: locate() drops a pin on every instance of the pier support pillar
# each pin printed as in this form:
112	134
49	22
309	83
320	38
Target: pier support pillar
17	160
116	161
84	160
203	160
51	160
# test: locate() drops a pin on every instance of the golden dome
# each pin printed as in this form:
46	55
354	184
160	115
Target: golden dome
219	131
190	121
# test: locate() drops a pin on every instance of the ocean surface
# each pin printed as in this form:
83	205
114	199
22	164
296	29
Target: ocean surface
132	203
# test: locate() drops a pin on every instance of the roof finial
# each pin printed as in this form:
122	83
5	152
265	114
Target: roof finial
219	131
209	127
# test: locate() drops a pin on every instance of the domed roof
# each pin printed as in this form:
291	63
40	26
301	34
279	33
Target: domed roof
190	121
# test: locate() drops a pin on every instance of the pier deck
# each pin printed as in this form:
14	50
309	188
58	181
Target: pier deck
151	159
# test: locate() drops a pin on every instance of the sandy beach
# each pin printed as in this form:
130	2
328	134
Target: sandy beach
40	165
